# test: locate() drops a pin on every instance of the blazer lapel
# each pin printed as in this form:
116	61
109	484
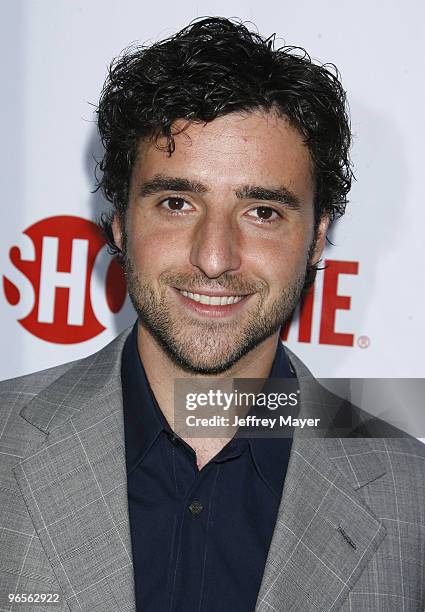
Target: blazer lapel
74	483
325	535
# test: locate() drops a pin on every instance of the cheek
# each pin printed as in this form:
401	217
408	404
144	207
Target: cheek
278	260
154	249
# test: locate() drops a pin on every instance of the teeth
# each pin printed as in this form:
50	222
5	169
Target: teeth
213	300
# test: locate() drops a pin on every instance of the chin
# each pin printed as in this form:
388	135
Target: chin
209	357
206	369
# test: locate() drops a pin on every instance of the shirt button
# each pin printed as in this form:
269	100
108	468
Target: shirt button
196	507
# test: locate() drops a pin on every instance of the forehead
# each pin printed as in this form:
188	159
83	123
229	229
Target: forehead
235	149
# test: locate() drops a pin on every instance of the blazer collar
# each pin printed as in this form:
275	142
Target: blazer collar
96	376
338	437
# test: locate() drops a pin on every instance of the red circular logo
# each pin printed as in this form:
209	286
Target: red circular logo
61	281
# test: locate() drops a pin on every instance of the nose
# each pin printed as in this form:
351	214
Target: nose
215	246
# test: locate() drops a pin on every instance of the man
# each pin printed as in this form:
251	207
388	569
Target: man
225	161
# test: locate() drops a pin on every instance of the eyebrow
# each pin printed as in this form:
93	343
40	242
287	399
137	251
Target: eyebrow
280	194
160	183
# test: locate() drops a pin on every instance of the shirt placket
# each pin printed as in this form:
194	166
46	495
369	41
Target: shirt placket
194	521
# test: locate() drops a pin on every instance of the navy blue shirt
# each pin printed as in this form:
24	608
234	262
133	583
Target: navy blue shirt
200	538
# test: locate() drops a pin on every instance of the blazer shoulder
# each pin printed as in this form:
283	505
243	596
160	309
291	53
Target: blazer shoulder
31	384
22	388
47	398
16	435
16	393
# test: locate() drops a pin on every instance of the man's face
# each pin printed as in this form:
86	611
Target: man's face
217	236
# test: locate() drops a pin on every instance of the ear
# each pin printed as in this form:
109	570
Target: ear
116	231
321	231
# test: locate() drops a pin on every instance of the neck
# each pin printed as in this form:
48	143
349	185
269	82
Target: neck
162	371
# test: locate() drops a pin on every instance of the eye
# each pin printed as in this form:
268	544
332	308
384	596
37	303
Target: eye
263	214
175	205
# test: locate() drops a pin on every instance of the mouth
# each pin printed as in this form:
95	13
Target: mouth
212	300
218	304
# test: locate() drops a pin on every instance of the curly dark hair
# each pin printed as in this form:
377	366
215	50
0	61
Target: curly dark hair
213	67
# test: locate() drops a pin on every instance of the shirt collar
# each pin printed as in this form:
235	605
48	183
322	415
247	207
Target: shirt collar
144	420
281	367
271	455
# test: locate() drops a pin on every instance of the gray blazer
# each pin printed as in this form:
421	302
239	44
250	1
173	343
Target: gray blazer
350	531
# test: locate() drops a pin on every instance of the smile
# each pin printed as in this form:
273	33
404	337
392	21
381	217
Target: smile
210	300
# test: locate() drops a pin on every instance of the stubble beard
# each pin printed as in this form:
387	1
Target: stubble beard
208	346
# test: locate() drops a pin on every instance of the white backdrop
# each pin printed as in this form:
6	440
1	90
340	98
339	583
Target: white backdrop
55	55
